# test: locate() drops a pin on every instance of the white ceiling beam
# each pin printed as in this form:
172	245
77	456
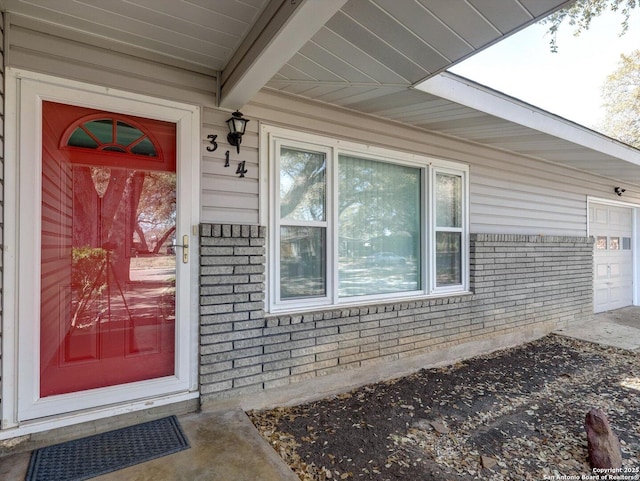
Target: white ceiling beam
283	28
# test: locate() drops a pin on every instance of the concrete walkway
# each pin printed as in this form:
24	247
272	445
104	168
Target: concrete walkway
226	446
619	328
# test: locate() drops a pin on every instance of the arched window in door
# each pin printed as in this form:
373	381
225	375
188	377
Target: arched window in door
112	135
106	140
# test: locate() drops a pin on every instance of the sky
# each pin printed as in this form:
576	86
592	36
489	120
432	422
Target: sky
567	83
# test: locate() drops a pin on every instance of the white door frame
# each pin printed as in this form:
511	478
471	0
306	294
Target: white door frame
635	208
21	403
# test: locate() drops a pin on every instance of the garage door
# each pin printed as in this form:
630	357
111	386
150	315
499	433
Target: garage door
612	228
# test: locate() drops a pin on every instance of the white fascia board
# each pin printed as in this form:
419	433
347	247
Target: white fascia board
476	96
255	69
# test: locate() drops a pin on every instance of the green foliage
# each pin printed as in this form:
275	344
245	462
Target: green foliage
621	91
87	266
621	95
581	13
157	205
88	279
378	207
302	185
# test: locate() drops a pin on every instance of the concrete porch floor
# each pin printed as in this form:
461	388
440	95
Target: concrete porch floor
226	446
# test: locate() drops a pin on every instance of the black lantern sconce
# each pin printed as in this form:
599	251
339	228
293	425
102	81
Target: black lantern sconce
237	124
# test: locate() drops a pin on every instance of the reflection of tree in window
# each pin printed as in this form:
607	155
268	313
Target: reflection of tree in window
156	211
302	247
127	210
378	227
116	206
601	243
302	262
449	200
302	185
448	190
614	243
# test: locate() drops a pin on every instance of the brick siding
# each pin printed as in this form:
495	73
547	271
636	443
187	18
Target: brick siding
516	282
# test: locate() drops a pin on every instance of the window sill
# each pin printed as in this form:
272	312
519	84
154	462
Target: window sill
364	303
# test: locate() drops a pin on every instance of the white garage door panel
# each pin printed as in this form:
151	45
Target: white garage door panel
602	271
612	226
601	215
618	294
601	296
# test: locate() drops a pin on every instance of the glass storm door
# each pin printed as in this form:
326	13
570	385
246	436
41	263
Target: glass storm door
108	264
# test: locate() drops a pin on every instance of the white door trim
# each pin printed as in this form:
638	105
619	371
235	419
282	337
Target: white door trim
20	366
635	240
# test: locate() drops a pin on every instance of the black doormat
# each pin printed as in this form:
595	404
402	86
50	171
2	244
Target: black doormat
103	453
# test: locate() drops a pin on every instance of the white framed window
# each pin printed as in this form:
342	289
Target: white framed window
302	211
448	230
350	223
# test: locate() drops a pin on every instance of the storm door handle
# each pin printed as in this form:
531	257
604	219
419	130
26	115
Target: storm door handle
185	248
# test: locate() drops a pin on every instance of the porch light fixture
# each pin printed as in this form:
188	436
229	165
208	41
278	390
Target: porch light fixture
619	191
237	124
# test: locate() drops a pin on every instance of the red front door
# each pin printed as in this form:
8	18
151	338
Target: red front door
108	274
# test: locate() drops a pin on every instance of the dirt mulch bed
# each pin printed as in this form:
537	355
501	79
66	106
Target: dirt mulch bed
516	414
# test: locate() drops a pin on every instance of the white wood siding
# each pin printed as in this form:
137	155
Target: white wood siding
510	194
225	197
40	47
201	33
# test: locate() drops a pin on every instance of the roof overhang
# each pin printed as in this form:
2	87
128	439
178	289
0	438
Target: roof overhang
335	51
282	30
477	113
363	55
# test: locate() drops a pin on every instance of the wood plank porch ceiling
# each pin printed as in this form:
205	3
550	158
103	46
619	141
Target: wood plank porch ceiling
366	57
